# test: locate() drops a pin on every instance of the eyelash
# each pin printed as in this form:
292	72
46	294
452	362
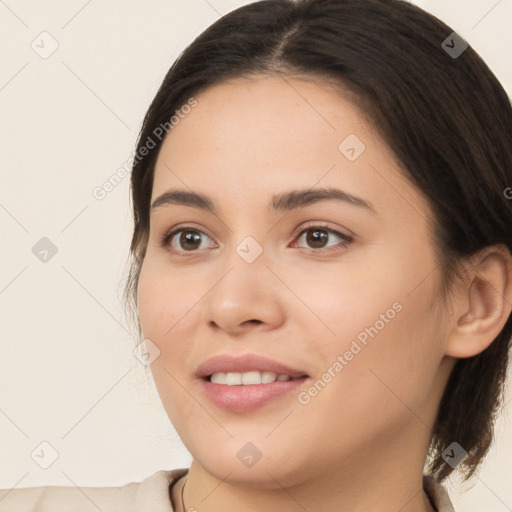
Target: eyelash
303	228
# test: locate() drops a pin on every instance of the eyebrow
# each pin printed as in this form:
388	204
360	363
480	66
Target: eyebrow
287	201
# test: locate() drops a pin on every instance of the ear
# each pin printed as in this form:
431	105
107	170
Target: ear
485	305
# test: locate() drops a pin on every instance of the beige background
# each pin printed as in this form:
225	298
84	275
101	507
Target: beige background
68	122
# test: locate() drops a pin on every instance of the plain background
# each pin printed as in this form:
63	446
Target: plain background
68	375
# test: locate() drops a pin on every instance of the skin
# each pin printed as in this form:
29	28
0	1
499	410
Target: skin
360	443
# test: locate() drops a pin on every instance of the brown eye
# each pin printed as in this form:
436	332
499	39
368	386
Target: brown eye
318	237
189	240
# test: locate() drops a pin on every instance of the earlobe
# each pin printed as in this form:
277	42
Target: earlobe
485	308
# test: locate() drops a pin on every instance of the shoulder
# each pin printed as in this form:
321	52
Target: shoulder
149	495
437	494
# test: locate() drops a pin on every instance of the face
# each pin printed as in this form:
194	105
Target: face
337	292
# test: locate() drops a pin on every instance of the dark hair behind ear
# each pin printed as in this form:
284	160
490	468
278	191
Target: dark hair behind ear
446	117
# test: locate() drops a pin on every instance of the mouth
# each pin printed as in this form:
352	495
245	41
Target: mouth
245	383
250	378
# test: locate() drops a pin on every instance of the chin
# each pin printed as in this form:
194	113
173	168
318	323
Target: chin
261	476
243	463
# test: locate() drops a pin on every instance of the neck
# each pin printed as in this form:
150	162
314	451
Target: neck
379	488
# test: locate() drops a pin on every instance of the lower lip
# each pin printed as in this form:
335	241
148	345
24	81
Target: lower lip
250	397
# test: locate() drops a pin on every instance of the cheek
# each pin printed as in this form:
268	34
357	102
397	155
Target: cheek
164	298
341	300
165	304
380	319
391	361
380	384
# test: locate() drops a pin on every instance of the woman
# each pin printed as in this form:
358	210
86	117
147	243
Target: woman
322	268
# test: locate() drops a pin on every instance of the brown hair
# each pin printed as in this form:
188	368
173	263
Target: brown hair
446	118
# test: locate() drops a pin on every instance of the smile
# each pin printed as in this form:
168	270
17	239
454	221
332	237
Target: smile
247	382
247	378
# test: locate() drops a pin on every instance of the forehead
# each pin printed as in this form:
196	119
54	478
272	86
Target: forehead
269	133
260	118
258	109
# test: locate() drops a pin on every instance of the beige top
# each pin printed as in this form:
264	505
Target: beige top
151	495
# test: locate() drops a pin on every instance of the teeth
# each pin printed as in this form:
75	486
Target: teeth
247	378
218	378
250	377
268	377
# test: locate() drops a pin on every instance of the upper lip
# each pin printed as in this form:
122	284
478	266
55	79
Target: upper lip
245	363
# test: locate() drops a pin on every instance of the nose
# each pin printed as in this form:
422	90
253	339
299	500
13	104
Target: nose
246	296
